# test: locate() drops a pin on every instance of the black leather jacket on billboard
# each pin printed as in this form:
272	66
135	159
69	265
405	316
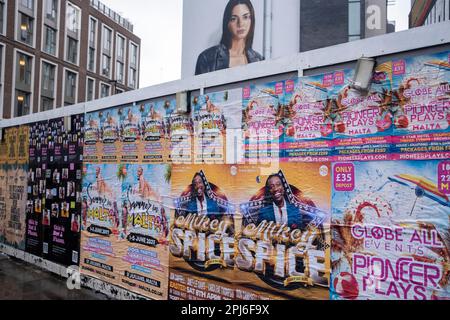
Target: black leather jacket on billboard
218	58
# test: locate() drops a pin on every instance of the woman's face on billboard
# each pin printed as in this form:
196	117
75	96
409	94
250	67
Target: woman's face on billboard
240	22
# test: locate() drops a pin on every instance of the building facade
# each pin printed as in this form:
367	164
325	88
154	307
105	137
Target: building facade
326	23
55	53
426	12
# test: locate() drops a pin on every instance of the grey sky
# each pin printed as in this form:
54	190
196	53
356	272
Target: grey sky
159	24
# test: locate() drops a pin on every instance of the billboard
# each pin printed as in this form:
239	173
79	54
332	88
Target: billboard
231	25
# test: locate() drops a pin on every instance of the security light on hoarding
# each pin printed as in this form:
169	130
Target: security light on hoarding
182	99
363	74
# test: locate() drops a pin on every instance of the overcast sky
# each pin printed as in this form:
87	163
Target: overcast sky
159	25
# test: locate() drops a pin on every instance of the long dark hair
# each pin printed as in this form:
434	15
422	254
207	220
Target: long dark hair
226	34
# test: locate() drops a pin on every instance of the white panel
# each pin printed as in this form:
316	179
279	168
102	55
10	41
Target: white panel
202	29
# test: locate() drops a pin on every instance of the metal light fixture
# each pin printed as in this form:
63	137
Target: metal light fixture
182	99
22	62
23	27
20	98
363	74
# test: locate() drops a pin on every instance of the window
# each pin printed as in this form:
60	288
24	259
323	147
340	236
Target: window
72	18
73	21
132	79
92	48
2	16
48	76
25	31
23	84
92	32
106	52
48	86
104	90
354	20
107	39
50	27
120	48
24	70
90	89
133	55
106	66
72	50
29	4
91	60
70	88
50	40
119	72
22	103
47	103
1	77
51	10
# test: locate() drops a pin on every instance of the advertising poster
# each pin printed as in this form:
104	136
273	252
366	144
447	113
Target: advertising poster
38	172
391	230
129	133
101	209
16	202
61	221
242	233
102	137
76	139
23	138
180	130
262	121
363	122
144	250
214	114
3	196
202	233
92	142
11	145
3	148
307	121
155	132
421	107
283	242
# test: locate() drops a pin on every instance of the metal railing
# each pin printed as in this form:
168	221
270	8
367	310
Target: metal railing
112	15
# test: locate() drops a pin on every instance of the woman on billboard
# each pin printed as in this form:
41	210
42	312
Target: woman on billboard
235	47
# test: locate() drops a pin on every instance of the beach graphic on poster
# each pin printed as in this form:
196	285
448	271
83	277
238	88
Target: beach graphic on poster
228	241
213	114
101	221
307	121
154	115
363	121
261	121
390	227
421	107
143	250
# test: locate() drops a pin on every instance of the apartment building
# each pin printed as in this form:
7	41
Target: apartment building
55	53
